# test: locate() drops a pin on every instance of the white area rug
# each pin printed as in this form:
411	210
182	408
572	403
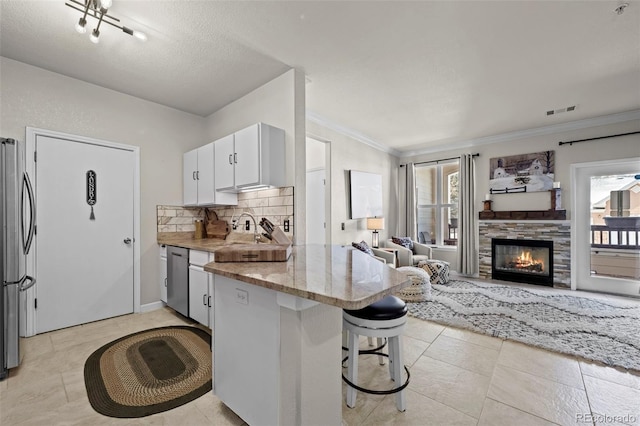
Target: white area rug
605	331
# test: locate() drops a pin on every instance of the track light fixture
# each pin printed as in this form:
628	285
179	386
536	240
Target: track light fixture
98	9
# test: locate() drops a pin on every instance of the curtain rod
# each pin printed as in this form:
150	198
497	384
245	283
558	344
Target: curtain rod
594	139
442	159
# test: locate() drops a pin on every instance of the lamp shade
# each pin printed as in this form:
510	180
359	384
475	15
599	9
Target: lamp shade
374	223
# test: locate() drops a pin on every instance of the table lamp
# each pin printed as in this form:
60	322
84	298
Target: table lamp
375	223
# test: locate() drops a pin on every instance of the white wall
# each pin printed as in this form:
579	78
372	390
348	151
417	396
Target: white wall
34	97
598	150
315	154
350	154
280	103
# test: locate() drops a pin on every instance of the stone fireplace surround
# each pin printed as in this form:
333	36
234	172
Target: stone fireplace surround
557	230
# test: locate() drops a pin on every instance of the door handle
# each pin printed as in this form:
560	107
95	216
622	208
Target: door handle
230	159
235	157
204	299
198	175
165	282
193	175
127	240
209	301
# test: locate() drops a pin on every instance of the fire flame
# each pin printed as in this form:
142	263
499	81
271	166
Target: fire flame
525	259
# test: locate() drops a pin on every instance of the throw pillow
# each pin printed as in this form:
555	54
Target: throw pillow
363	246
405	242
420	288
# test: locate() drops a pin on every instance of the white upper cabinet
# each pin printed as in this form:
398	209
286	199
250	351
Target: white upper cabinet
198	179
251	158
190	183
224	163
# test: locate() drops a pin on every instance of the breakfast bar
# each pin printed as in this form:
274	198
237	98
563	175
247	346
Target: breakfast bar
277	331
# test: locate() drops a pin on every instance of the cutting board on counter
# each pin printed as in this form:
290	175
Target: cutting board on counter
216	228
253	253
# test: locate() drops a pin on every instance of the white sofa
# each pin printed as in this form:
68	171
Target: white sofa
407	257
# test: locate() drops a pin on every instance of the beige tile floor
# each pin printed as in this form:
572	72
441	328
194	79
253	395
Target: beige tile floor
457	378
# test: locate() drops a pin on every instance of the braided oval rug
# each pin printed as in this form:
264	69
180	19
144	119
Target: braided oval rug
604	331
149	372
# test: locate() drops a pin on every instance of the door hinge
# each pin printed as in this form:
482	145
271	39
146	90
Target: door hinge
35	156
35	303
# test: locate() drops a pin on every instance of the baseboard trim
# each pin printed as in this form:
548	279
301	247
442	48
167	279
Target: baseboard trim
151	306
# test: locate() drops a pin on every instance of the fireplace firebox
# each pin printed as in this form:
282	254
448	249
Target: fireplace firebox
523	261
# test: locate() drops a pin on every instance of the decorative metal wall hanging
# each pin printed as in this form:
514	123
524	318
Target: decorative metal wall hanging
92	195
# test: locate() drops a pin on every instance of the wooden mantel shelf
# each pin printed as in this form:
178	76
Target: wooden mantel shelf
524	214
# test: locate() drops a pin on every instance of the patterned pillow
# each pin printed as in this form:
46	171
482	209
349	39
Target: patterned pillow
420	288
363	246
405	242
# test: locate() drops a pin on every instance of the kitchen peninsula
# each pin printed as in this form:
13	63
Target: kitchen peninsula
277	331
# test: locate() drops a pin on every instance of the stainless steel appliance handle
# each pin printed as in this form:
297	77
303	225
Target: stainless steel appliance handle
21	281
32	282
26	183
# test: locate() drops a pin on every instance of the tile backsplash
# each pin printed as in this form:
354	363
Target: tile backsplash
274	204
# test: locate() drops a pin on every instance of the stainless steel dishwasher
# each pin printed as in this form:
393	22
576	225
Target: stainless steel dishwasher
178	279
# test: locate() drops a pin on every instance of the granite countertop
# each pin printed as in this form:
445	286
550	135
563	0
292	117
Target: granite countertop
186	240
334	275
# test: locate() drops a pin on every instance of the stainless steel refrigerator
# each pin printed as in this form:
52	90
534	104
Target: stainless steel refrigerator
17	217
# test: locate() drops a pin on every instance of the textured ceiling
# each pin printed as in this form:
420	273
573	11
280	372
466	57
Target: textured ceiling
407	75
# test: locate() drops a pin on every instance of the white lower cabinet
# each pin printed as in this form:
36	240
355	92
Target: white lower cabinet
200	297
163	273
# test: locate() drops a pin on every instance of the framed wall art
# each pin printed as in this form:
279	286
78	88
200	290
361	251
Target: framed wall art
522	173
365	194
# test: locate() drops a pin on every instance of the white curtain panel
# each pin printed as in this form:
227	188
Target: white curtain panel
402	202
467	218
411	228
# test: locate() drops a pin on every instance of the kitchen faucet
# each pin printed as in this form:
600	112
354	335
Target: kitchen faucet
256	237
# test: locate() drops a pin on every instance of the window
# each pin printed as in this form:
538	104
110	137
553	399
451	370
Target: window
437	202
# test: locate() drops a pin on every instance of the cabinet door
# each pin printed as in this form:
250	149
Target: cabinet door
247	156
199	295
224	157
204	176
189	182
163	279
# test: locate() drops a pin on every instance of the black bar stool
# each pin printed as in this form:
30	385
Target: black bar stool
385	318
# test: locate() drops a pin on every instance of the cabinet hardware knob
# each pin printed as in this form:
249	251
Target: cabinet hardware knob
127	240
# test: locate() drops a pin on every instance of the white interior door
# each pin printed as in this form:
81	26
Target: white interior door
84	267
315	207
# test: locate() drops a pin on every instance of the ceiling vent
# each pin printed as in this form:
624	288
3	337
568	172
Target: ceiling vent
561	110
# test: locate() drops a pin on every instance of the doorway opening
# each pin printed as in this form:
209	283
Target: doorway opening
318	208
606	226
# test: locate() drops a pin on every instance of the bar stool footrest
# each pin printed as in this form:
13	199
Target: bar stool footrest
373	391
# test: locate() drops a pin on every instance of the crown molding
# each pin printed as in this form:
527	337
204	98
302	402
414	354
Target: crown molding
538	131
487	140
323	121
